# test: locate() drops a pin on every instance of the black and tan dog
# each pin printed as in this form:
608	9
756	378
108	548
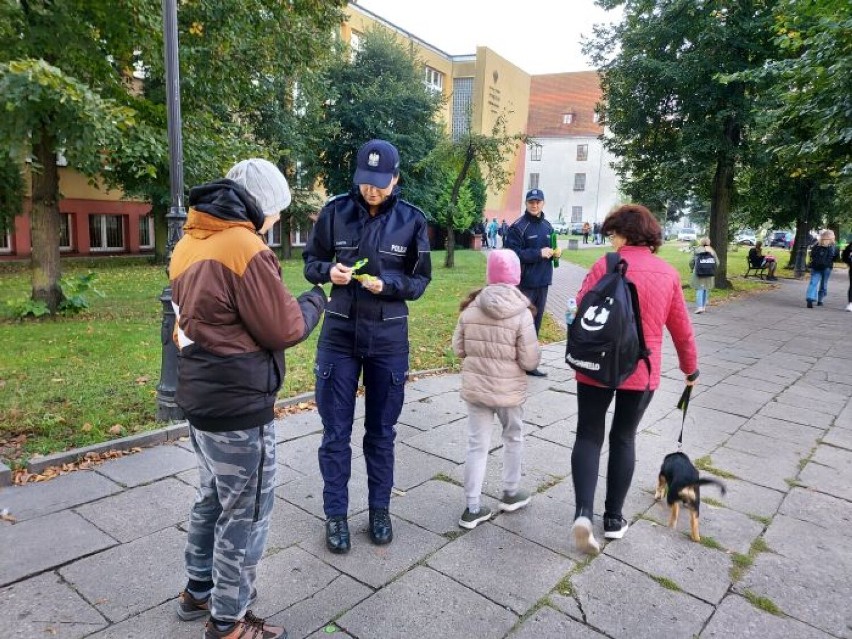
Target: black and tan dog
680	482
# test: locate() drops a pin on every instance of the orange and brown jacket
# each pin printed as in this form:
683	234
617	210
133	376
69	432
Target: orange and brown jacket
235	317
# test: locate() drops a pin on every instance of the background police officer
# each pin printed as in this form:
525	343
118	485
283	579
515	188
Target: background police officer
529	237
366	329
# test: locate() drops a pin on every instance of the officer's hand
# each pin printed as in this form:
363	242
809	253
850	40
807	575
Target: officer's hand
340	274
547	252
557	253
374	285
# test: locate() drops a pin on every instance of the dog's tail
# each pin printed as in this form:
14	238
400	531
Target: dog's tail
704	481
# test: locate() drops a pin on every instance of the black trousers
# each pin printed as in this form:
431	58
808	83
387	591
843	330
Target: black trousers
593	403
538	298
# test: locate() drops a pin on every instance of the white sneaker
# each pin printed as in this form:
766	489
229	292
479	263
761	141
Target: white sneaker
584	538
849	307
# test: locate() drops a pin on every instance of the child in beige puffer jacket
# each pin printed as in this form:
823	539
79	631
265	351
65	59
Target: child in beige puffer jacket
495	336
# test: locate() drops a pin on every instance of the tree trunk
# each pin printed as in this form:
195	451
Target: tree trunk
799	252
161	232
450	261
720	201
286	243
44	224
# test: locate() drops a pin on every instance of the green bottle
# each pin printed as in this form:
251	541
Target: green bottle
554	246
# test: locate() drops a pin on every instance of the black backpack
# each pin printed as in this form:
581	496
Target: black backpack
605	340
705	264
822	256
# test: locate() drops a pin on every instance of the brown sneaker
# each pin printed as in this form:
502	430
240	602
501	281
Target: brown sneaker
249	627
189	608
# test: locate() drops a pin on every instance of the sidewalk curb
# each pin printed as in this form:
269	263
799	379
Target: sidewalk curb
5	475
170	433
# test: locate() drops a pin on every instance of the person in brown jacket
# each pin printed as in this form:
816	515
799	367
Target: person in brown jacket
496	337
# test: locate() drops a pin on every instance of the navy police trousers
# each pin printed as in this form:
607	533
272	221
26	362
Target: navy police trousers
336	384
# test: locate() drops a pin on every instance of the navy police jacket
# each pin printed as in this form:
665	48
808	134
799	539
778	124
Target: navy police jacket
396	244
527	236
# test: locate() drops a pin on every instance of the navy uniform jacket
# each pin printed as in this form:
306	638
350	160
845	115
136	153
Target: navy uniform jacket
527	236
396	244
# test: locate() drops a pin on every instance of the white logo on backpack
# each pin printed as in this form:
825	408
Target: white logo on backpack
595	317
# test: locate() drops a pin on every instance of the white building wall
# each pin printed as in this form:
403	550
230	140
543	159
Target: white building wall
557	169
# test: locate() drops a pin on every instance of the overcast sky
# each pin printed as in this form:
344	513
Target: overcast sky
539	36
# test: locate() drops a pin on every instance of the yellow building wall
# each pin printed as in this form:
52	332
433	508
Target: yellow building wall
74	185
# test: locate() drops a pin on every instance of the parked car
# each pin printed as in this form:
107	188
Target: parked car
781	239
745	238
576	228
687	235
561	228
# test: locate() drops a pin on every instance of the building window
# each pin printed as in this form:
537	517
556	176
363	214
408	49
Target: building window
533	181
462	106
5	240
579	181
576	213
299	236
434	80
65	227
273	235
596	118
535	153
567	118
146	232
582	152
106	232
356	42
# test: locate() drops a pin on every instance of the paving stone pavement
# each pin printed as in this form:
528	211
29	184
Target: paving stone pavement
99	553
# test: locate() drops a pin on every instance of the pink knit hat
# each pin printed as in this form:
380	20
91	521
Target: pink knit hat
503	267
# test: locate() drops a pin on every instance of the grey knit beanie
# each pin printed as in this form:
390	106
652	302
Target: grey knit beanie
262	179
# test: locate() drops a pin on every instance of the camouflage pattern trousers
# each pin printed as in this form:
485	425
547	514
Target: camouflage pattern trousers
230	517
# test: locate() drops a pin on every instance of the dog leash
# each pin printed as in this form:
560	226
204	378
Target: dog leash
683	404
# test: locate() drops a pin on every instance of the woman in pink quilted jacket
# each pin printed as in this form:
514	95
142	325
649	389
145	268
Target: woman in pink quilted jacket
495	336
636	235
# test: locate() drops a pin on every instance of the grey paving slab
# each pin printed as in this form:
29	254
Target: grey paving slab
829	472
839	437
140	511
547	623
731	398
803	591
766	383
435	384
160	621
823	547
547	407
736	617
819	509
615	597
37	499
133	577
748	498
412	467
306	492
769	448
660	551
377	565
430	413
318	611
446	608
44	606
797	414
289	526
324	634
149	465
562	432
35	545
816	397
479	558
784	430
434	505
756	469
297	425
287	577
283	473
300	453
448	441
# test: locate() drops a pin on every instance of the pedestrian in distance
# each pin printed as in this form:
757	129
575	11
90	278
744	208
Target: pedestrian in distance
823	256
596	233
374	249
846	258
495	337
492	233
702	281
233	319
636	235
587	228
529	238
504	230
757	259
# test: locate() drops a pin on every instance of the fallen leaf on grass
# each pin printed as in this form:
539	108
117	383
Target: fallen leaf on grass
87	462
144	379
116	430
86	427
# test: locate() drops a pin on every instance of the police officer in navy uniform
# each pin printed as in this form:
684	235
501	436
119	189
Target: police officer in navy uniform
529	237
365	330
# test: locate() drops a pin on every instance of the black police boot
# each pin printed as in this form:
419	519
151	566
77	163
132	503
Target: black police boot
381	529
337	535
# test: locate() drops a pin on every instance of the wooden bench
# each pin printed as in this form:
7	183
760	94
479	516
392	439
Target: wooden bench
759	271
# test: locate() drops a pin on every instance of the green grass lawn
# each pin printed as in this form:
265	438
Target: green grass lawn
70	382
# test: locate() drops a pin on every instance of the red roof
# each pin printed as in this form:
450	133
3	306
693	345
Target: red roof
554	95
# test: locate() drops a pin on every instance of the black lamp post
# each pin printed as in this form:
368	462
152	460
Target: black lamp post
167	409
